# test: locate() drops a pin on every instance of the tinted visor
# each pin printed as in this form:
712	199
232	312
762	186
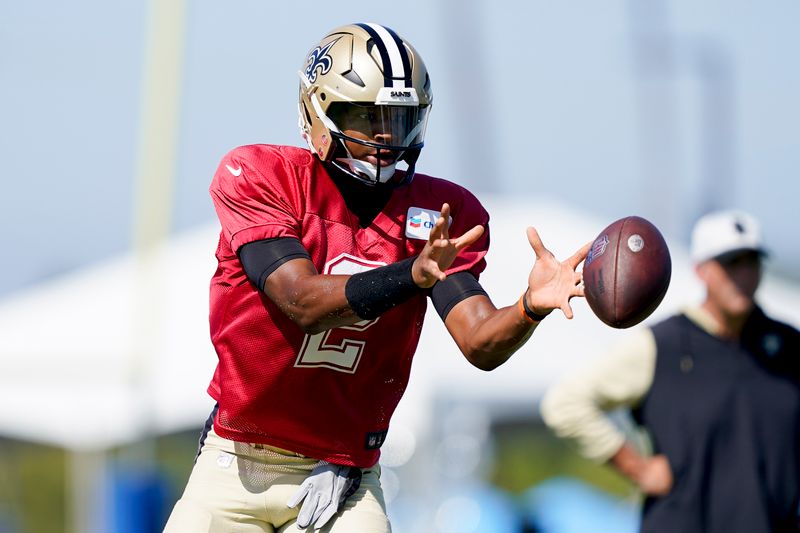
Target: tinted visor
388	125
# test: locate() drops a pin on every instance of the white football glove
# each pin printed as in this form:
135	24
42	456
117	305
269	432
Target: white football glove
325	490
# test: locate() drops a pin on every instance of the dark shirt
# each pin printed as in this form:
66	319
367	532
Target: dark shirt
727	417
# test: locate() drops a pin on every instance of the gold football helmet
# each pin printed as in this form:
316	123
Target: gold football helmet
365	95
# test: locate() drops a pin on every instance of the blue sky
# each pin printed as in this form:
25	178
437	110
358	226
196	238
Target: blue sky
662	113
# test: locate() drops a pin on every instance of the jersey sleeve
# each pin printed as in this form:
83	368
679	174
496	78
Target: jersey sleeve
257	196
467	214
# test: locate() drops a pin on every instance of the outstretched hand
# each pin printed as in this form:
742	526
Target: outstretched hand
552	284
440	251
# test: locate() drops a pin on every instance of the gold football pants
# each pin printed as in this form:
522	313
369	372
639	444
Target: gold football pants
243	488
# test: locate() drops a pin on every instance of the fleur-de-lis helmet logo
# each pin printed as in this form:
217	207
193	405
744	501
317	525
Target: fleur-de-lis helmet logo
319	62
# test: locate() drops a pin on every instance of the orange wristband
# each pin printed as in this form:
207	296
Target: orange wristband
521	307
527	313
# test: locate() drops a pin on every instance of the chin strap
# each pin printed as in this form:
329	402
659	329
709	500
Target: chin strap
368	170
368	173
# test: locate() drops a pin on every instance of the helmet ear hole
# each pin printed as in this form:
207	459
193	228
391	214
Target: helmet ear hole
322	96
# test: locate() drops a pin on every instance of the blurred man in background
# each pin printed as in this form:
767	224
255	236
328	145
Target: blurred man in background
717	389
327	257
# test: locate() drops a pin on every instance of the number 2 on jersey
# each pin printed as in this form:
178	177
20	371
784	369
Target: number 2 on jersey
338	349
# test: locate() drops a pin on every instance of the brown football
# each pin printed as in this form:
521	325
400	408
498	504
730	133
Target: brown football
627	272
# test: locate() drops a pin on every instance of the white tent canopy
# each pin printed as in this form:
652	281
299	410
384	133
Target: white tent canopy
105	355
72	367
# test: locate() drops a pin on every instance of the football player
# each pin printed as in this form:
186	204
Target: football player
327	258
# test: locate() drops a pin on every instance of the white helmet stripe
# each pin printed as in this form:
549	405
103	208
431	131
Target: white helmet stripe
396	71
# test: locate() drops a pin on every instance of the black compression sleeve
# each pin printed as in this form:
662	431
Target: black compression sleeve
456	287
262	258
372	293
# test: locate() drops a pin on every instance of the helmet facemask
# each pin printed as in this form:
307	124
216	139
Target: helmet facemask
374	138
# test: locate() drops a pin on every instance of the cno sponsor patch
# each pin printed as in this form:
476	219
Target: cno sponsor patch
420	222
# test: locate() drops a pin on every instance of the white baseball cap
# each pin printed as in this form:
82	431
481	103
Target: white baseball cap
725	232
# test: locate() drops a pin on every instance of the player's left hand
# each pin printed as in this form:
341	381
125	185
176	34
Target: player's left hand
324	491
551	284
440	251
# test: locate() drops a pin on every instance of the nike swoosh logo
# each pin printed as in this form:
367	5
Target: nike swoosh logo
235	171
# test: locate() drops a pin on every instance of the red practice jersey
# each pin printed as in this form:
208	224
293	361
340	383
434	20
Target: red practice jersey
329	395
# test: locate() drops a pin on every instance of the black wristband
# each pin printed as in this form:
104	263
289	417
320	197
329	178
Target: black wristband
528	311
372	293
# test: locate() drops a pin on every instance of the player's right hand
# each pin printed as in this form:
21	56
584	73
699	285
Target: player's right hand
440	251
